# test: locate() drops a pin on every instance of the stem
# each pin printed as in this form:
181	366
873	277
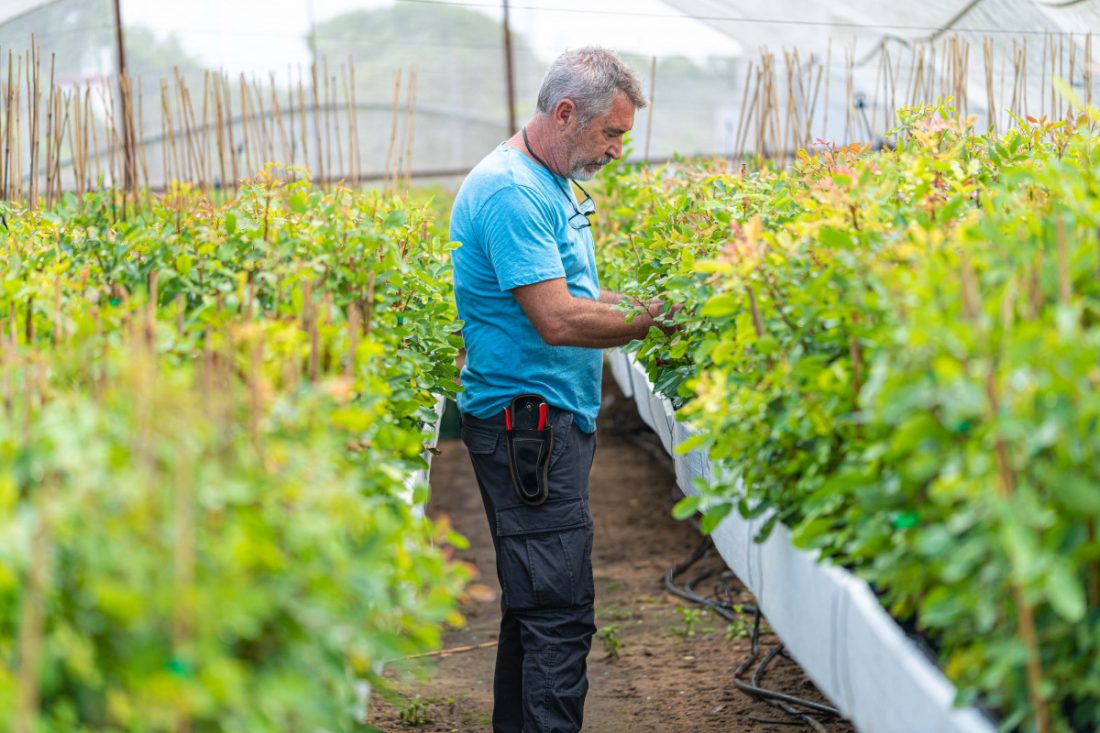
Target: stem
1025	619
32	616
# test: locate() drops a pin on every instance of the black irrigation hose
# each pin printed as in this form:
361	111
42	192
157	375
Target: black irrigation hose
729	610
724	609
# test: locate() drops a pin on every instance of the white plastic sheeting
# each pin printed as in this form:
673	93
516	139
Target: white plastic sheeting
830	620
421	476
812	25
362	688
840	70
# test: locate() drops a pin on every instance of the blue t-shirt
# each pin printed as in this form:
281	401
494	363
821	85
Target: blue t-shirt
512	221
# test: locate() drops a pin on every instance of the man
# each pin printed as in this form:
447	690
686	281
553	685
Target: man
535	323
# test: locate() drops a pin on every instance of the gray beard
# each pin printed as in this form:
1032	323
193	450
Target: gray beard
580	172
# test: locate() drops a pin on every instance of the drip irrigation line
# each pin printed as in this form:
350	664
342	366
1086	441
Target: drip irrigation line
687	592
778	700
799	708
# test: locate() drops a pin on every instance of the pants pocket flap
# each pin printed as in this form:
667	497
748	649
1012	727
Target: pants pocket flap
553	516
480	440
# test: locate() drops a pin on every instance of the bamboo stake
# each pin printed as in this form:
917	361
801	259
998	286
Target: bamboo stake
991	106
267	137
220	124
743	115
206	131
392	150
165	161
349	113
357	157
34	96
50	122
302	119
1055	71
284	142
80	146
109	135
317	126
410	125
325	117
227	95
334	119
129	142
61	112
194	146
245	119
17	163
849	106
9	97
1088	72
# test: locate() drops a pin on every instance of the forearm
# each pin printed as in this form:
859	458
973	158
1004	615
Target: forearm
610	297
600	325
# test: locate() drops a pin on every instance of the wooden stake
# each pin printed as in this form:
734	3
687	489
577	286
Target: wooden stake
227	95
410	125
325	117
320	172
245	118
391	152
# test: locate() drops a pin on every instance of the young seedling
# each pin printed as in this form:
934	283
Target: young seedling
691	618
415	713
612	646
736	629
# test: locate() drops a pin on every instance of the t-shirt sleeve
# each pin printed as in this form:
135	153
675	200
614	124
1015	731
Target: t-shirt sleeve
518	231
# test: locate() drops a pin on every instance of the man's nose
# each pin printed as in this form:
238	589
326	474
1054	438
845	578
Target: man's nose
616	149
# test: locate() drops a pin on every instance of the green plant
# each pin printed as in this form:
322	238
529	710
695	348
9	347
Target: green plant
896	354
736	629
690	619
415	713
208	417
609	636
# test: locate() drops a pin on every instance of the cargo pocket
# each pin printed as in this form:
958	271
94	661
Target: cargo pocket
485	445
545	555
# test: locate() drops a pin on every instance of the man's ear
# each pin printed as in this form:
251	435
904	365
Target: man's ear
564	112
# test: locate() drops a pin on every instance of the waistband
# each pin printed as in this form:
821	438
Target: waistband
497	420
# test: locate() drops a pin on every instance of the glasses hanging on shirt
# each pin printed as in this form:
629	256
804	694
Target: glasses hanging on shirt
582	211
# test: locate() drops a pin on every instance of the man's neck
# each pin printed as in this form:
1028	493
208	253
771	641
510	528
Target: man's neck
544	142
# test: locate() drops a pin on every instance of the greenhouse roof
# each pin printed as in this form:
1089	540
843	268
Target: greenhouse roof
812	25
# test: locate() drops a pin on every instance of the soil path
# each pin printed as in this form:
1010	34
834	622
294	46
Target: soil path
671	675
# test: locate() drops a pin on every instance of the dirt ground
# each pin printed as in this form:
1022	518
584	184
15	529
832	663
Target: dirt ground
674	668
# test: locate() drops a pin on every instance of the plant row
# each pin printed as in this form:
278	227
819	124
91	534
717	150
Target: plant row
209	416
898	353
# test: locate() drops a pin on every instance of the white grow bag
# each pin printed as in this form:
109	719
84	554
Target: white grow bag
829	619
362	688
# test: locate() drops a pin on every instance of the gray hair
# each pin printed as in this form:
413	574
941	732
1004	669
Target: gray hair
590	77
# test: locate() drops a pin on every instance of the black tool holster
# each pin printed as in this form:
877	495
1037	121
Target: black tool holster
529	449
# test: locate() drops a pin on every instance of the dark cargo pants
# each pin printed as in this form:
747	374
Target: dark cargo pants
544	563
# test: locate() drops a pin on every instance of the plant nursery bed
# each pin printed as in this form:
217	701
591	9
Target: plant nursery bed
830	620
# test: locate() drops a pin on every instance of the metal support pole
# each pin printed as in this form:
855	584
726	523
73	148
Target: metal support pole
510	79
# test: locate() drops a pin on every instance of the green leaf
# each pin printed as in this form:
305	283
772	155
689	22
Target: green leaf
714	515
720	306
686	507
396	218
1065	592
